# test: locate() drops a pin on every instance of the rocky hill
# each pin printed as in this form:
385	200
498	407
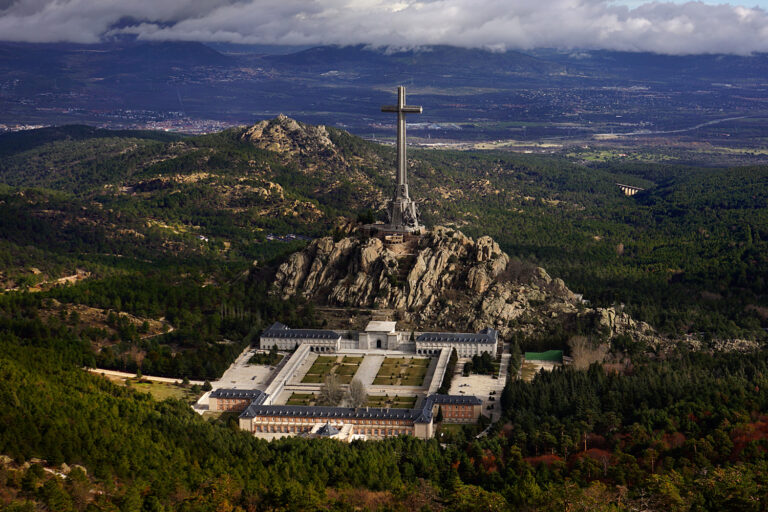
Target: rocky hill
283	134
445	280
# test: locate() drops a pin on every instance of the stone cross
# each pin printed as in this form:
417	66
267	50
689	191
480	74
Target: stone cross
403	212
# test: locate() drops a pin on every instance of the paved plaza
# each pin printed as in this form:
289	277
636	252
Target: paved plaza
481	386
240	375
368	369
366	373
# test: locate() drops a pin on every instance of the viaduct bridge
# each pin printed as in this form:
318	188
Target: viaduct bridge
629	190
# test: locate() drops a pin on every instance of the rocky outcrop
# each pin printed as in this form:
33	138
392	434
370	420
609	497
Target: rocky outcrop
285	135
445	280
331	168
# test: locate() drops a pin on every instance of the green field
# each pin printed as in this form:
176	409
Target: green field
163	390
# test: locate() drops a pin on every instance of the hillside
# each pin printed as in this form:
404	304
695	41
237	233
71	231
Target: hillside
184	249
686	256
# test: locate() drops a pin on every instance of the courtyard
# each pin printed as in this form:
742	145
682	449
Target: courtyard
487	388
402	371
344	367
381	401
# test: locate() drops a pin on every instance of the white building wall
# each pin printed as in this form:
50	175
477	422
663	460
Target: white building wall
318	345
347	344
463	349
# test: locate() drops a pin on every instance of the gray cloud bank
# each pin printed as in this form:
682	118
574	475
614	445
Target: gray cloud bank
693	27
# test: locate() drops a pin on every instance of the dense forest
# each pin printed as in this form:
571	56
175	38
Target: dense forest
685	433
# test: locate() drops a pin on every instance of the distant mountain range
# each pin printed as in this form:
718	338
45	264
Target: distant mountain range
97	84
158	57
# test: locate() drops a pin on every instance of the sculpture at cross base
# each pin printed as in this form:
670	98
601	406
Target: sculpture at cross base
403	217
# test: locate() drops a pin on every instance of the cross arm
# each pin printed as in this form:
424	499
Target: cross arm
406	109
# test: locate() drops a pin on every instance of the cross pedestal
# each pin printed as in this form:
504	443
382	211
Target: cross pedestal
403	217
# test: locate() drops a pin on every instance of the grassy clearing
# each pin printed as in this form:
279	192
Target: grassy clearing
527	371
164	390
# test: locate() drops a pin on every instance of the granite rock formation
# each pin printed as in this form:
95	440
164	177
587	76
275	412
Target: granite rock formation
445	280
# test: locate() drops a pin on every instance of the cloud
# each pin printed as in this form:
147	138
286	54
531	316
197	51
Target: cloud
692	27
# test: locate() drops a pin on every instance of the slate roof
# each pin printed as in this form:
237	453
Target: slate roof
418	415
278	330
327	430
311	411
252	394
456	399
487	335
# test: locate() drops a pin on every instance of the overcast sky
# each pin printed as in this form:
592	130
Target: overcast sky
634	25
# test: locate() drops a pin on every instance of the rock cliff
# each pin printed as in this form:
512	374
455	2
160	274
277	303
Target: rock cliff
444	280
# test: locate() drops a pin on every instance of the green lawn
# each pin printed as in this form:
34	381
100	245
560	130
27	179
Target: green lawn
164	390
404	402
302	399
320	368
346	369
397	402
402	371
377	400
326	365
416	371
345	379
